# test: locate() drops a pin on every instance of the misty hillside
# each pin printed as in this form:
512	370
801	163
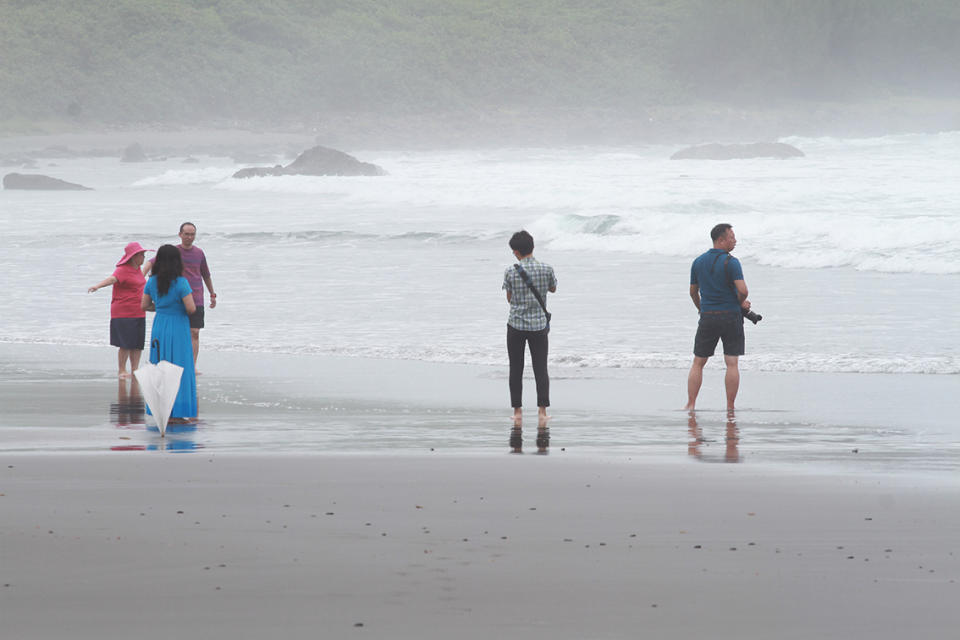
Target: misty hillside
129	61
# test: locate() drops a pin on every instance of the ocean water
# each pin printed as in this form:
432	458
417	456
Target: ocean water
852	254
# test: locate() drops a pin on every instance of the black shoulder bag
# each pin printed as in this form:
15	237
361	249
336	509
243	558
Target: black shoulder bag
533	289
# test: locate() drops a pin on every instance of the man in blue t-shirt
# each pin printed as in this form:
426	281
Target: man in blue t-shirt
720	294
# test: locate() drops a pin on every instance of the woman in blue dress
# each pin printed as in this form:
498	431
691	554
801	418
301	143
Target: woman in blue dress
169	293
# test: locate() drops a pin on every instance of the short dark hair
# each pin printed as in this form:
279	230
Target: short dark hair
187	223
719	231
522	243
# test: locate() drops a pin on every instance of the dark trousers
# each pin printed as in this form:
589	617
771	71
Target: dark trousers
516	346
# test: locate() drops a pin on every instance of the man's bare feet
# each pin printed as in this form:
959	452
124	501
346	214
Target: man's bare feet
517	419
543	419
123	374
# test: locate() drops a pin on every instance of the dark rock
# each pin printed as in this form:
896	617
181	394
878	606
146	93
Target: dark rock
318	161
259	172
39	182
134	153
322	161
738	151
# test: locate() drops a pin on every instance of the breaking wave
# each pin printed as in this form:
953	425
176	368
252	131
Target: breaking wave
921	244
179	177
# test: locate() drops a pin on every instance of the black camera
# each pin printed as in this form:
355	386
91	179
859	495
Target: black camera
751	316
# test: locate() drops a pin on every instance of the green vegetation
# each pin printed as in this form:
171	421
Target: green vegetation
135	61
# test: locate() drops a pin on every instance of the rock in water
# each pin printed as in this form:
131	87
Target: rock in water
318	161
738	151
134	153
322	161
259	172
40	183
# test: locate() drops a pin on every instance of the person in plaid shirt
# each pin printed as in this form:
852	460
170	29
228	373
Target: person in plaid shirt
527	324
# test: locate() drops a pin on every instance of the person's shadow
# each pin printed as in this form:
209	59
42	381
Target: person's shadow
696	443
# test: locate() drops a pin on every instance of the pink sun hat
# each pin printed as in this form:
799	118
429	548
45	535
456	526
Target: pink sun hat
131	250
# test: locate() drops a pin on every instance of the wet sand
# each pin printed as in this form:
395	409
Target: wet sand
438	546
324	497
59	399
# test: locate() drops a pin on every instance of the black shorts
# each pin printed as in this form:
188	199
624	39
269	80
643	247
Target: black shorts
128	333
196	319
719	325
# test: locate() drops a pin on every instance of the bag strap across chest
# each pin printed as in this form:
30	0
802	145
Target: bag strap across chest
533	289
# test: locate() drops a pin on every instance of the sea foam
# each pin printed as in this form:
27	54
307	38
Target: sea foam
178	177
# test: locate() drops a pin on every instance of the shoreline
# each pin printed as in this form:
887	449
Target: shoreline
67	400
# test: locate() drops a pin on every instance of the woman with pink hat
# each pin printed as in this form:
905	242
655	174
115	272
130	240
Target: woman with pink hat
128	324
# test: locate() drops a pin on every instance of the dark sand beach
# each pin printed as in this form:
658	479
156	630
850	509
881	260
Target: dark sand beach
469	546
343	498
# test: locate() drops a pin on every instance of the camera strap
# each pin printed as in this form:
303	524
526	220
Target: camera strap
726	269
726	272
732	286
533	289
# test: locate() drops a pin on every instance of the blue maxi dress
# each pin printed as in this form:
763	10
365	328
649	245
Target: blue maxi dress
170	341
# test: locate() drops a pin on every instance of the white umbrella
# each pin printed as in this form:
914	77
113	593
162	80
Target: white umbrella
159	384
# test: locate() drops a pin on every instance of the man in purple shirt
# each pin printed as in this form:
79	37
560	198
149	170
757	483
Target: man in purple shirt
196	271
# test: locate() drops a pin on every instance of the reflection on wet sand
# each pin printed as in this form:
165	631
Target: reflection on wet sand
543	440
516	440
128	412
128	409
163	445
696	444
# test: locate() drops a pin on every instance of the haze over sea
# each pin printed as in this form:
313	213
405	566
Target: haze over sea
852	254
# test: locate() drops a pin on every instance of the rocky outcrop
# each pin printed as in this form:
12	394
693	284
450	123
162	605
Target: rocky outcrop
738	151
259	172
39	183
134	153
321	161
318	161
